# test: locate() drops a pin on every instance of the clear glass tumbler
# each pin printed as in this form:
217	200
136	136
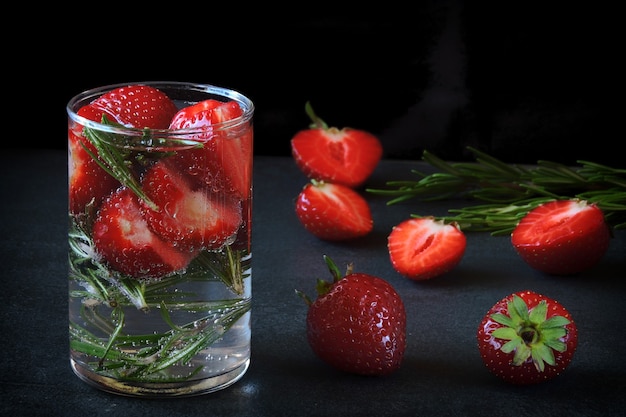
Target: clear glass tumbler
160	201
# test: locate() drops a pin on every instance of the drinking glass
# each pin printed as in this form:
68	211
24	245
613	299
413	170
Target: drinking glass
160	245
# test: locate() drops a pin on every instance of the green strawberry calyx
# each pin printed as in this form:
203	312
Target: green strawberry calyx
530	333
322	287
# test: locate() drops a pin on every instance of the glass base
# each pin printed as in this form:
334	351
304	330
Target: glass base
160	390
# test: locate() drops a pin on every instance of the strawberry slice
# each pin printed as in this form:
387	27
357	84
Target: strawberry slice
88	182
137	106
190	219
333	211
562	237
123	239
424	248
343	156
225	161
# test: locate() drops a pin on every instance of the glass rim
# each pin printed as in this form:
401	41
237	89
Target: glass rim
87	96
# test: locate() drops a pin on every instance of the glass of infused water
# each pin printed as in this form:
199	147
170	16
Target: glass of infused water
160	203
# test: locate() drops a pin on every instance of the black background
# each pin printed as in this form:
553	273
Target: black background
520	80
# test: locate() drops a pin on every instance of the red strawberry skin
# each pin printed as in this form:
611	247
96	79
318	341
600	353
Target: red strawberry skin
134	106
343	156
188	218
424	248
124	240
562	237
359	326
88	182
333	212
225	160
137	106
501	363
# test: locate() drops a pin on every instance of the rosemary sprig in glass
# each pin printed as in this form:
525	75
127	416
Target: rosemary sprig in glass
510	191
114	153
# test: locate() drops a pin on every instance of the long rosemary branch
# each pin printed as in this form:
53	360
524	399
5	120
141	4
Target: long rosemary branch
510	191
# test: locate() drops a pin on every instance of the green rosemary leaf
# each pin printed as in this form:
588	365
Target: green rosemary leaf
118	315
115	160
228	267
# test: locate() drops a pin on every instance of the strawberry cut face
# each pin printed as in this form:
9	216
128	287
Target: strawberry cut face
527	338
333	212
346	156
424	248
124	240
189	218
562	237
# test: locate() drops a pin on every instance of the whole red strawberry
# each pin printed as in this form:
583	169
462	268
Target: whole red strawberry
562	237
333	212
357	324
527	338
137	106
424	248
344	156
133	106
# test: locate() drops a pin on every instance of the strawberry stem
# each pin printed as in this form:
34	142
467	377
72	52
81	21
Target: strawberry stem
322	287
317	123
332	267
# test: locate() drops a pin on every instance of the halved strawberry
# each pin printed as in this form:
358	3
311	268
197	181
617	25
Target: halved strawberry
562	237
188	218
527	338
124	240
226	157
333	211
343	156
137	106
423	248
